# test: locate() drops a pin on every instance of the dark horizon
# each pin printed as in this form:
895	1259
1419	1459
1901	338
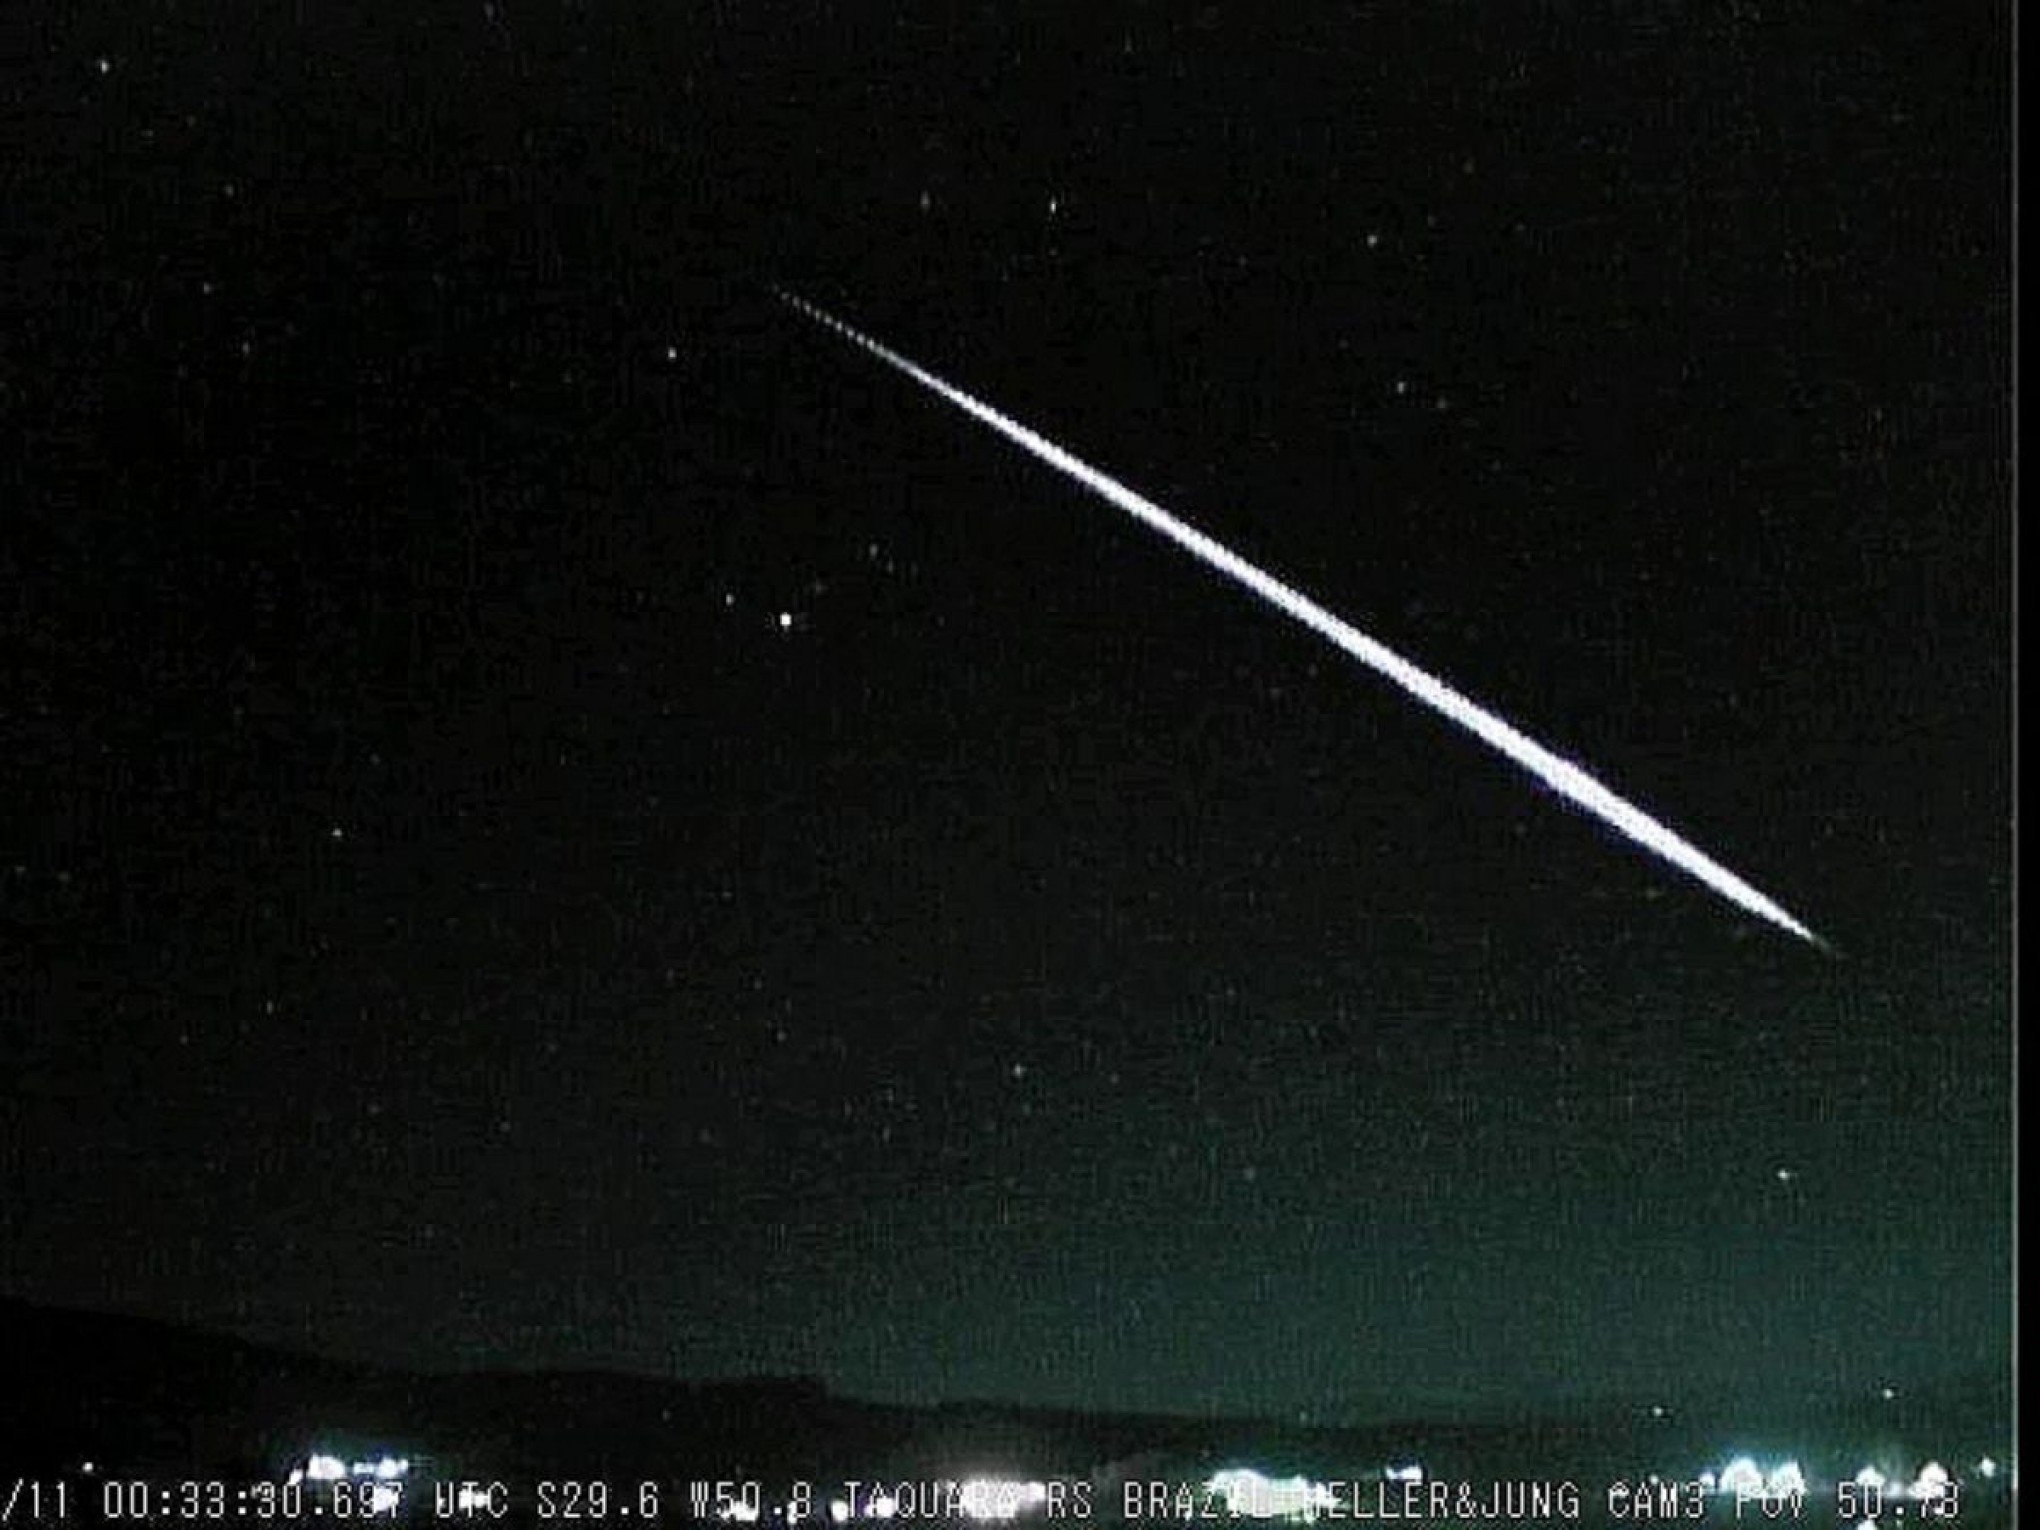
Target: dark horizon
113	1358
566	817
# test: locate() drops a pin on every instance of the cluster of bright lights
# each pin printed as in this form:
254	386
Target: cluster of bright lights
1248	1494
1251	1494
1931	1483
324	1468
1743	1478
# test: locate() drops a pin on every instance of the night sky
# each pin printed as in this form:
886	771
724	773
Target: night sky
557	813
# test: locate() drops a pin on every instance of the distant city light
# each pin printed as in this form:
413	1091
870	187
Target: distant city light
1742	1478
1411	1473
1985	1468
1250	1494
839	1511
1745	1479
1871	1477
1785	1481
325	1468
1931	1483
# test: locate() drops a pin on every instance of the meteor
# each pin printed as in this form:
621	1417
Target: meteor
1560	774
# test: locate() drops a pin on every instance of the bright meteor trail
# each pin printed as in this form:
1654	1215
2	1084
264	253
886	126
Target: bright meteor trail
1561	775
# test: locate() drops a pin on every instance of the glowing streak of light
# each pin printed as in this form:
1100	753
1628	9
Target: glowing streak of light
1556	772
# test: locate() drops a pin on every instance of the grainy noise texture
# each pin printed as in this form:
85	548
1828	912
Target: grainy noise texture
556	816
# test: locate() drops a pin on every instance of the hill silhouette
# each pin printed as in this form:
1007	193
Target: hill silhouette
141	1397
